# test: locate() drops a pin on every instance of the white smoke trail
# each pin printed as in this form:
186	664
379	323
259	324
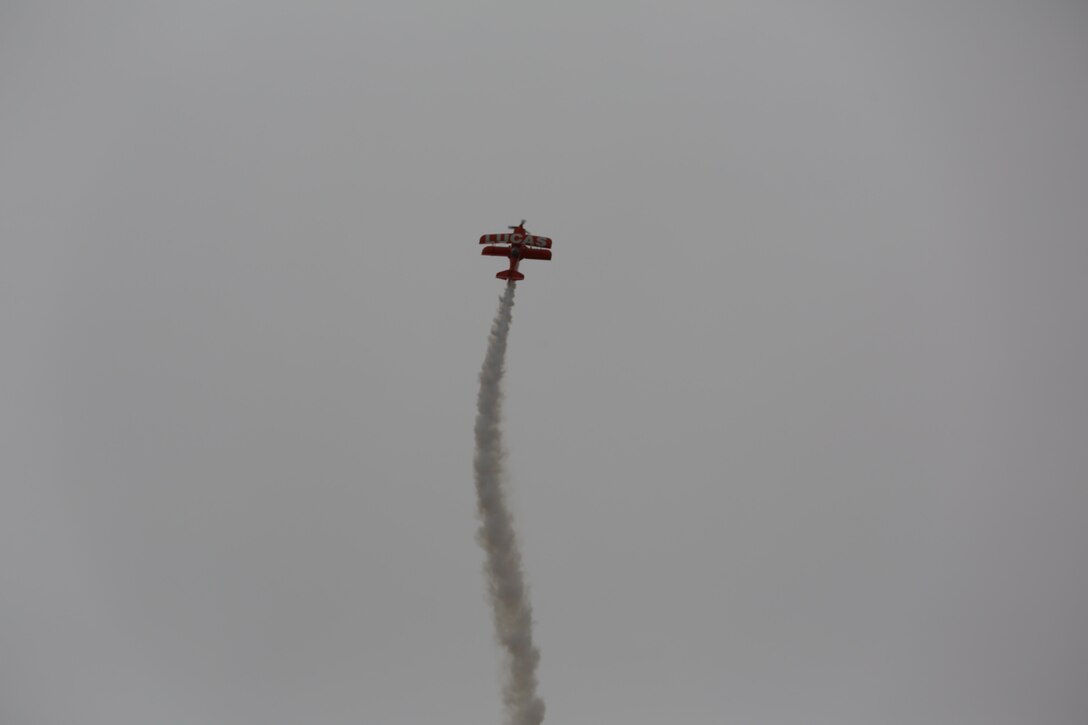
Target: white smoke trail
506	583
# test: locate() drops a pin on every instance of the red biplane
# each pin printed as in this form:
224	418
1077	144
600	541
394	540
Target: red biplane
519	245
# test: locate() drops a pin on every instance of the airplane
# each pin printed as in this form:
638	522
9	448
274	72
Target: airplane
522	245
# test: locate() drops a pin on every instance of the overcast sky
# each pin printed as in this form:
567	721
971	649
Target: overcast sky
797	415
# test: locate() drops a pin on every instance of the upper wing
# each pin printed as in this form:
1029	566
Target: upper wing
528	240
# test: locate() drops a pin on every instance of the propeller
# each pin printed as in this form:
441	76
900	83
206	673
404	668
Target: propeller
519	225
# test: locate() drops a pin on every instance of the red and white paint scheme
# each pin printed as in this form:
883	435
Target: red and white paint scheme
517	245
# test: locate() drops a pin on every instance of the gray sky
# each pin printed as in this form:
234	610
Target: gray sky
797	414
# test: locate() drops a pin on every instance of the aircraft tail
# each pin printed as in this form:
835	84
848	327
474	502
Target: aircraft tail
506	274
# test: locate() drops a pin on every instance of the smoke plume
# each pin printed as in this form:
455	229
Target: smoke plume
506	583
